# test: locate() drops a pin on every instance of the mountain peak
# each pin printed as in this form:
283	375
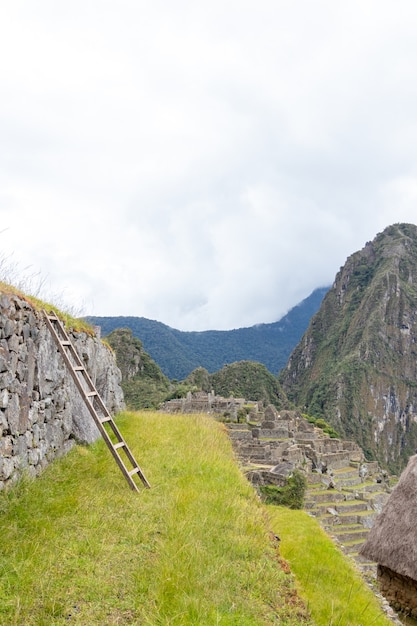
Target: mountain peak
356	365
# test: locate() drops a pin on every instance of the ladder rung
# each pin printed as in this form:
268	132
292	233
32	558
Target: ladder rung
79	368
119	445
90	394
135	470
65	343
105	419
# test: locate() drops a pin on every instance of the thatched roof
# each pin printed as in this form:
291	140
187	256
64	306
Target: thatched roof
392	540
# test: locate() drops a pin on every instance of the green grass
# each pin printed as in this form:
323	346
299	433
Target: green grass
75	323
333	589
79	547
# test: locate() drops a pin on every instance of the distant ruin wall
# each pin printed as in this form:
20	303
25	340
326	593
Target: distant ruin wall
201	402
41	411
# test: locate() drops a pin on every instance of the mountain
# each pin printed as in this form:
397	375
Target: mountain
144	385
253	381
178	352
356	365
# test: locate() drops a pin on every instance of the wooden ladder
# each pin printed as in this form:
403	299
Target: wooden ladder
95	404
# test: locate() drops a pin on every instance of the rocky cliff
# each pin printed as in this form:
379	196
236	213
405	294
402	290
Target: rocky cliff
143	383
356	365
41	411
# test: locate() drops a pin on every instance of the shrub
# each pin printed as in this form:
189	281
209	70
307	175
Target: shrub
291	495
321	423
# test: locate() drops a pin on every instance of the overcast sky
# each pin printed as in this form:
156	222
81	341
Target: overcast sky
207	164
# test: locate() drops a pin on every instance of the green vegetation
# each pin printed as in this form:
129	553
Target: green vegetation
290	495
144	385
321	423
178	353
79	547
199	378
249	380
334	591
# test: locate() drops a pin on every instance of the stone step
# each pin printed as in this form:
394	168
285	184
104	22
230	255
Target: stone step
367	566
342	507
252	448
325	495
265	433
347	534
346	471
351	547
365	518
333	522
314	481
368	488
240	435
257	458
342	483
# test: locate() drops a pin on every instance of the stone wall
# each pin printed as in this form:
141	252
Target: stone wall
201	402
41	411
400	591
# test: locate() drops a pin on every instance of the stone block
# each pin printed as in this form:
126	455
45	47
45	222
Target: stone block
34	456
6	446
8	328
21	451
12	413
26	333
13	343
7	467
4	399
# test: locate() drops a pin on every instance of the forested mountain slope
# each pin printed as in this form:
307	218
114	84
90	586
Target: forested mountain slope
143	383
356	365
178	353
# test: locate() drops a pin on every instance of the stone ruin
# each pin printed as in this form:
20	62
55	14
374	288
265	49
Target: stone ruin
283	441
201	402
271	444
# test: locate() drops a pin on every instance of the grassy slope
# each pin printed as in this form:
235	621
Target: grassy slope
78	547
333	590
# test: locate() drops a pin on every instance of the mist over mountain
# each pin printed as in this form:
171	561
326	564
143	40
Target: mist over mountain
356	365
179	352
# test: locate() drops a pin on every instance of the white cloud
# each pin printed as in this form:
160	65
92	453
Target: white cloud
204	164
